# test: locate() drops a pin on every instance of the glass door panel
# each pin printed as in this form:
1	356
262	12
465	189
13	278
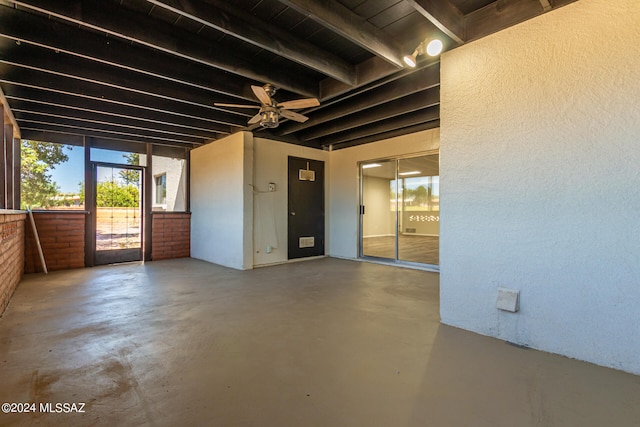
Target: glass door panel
379	219
419	209
400	209
118	214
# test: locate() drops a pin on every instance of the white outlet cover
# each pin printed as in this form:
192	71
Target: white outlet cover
508	300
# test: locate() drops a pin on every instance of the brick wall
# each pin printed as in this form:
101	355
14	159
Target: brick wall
171	235
11	255
62	239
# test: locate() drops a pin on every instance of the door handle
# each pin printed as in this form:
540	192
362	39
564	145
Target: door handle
292	213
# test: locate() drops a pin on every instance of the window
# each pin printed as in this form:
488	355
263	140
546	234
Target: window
161	189
52	176
170	183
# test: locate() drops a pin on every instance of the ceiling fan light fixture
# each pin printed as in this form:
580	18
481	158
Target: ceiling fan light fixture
269	118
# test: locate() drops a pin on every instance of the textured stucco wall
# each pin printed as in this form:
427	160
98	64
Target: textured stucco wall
221	201
540	167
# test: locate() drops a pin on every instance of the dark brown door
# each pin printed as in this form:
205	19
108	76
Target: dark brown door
117	214
306	208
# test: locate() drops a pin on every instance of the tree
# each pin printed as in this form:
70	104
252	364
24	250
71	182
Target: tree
113	194
37	159
131	176
422	195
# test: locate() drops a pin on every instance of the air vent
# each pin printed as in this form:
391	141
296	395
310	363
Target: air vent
306	242
306	175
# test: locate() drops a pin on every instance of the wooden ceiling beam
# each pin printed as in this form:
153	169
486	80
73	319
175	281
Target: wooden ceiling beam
60	64
31	119
108	17
366	72
396	123
42	79
42	100
370	116
384	135
426	78
225	17
20	27
445	16
74	129
343	21
32	110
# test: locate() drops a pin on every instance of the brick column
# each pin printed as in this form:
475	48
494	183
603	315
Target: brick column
62	239
11	254
171	235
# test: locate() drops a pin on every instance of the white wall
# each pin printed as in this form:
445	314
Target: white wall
378	218
539	178
176	171
221	201
270	209
343	179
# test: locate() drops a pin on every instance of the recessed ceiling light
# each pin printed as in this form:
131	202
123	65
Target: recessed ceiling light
371	165
409	173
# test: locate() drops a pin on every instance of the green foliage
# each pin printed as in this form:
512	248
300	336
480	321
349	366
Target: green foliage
131	176
114	194
132	158
37	187
422	196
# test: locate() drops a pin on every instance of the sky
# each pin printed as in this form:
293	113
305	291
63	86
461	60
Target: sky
69	174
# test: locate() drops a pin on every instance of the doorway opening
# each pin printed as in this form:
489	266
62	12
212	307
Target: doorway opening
118	213
400	210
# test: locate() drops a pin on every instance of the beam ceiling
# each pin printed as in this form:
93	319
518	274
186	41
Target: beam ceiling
135	71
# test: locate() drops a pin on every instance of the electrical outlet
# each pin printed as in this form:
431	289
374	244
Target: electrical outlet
272	186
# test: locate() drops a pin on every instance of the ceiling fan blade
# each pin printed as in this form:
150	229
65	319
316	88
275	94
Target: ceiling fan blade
219	104
299	103
261	94
255	119
293	116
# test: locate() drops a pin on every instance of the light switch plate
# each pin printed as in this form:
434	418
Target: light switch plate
508	300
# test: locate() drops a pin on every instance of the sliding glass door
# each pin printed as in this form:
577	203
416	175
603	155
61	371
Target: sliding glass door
400	209
378	209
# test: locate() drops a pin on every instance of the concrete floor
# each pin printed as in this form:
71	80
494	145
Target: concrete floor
318	343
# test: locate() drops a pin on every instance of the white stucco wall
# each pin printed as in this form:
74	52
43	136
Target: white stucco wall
270	209
221	201
540	167
176	171
343	182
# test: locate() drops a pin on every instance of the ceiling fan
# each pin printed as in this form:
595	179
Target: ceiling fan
271	110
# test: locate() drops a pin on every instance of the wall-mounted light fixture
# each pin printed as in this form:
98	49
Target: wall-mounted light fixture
431	47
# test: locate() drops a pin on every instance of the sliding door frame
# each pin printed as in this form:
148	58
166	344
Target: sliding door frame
362	207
